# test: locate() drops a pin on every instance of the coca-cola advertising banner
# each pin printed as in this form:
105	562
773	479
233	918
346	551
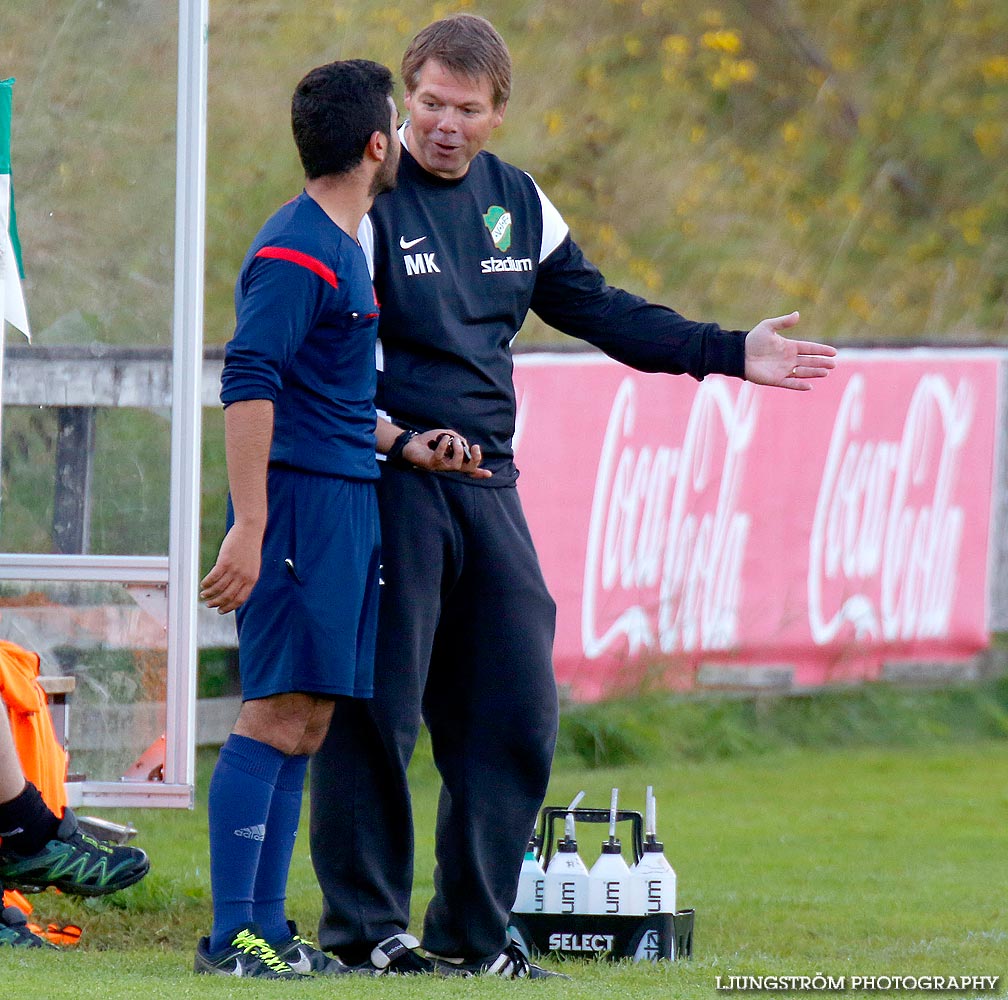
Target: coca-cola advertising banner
688	526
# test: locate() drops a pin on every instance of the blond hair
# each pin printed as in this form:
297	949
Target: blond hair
466	45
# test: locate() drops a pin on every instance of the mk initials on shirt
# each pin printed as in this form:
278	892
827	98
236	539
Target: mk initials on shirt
421	263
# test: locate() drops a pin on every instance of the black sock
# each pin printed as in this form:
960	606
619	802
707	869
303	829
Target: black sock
27	824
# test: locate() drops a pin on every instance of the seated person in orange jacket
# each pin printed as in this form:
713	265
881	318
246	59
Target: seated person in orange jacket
38	849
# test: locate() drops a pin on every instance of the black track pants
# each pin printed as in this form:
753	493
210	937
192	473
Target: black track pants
465	638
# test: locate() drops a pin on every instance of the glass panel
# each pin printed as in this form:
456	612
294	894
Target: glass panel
86	439
85	480
110	638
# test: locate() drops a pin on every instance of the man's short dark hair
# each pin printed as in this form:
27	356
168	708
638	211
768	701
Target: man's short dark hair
466	45
335	110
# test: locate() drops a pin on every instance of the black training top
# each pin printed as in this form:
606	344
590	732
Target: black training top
457	264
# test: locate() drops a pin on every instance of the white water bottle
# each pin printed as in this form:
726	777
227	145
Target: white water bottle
656	877
531	882
612	889
565	889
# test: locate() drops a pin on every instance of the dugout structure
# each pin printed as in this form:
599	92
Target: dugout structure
99	516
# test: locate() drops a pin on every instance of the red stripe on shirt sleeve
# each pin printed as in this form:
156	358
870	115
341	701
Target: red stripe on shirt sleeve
327	274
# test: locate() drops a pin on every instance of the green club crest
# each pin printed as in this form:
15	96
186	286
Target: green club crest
498	222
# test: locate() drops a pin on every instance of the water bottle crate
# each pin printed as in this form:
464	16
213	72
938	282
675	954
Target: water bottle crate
666	936
570	934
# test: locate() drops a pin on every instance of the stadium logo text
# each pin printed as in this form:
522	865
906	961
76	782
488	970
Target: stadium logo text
496	265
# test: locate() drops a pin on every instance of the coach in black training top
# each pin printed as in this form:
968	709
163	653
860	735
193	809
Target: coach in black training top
461	250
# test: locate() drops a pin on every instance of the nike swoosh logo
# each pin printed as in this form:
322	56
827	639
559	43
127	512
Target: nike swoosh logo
302	965
237	970
406	244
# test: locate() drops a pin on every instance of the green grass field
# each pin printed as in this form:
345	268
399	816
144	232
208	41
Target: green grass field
803	852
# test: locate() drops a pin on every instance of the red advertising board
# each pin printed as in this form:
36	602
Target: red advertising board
687	526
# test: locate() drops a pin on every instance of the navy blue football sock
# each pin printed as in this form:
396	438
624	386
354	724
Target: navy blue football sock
241	792
278	847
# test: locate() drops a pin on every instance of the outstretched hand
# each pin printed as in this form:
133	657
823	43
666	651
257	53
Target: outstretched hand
771	359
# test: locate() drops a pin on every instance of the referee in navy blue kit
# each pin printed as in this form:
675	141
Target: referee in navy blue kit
461	250
299	563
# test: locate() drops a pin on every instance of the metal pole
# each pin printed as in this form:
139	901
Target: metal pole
187	356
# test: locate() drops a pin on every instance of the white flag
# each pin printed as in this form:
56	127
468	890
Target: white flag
12	301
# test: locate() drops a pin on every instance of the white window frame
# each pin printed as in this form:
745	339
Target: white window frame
177	574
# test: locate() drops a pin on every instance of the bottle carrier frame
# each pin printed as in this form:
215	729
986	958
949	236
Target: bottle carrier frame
652	937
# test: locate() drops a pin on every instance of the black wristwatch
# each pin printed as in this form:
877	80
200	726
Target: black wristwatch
395	453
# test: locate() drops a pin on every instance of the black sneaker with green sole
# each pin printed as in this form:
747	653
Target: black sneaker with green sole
74	863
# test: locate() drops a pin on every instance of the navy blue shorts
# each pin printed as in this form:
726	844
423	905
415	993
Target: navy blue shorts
309	624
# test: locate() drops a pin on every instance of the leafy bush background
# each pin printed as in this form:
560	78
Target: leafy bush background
734	159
